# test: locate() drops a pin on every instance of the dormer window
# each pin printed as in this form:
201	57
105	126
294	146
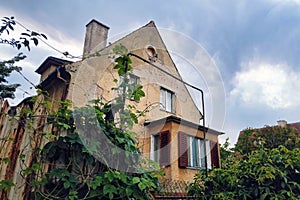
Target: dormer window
167	100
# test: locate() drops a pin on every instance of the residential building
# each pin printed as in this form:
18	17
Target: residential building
170	133
173	131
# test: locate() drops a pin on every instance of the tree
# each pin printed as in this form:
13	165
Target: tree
227	155
8	66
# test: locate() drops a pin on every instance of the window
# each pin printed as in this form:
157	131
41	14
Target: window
160	148
192	152
156	147
151	53
166	100
196	153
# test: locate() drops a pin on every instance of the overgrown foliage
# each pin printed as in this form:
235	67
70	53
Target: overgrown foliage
227	155
100	158
74	163
268	137
258	169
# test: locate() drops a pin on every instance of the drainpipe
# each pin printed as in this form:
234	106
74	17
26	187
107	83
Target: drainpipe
192	86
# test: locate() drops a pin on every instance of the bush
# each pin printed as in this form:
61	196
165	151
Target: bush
261	174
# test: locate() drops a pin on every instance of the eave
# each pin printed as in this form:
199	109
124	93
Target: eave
51	61
178	120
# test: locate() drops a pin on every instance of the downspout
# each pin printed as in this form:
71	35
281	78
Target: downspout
192	86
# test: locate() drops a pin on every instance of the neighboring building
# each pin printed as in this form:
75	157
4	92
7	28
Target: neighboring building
170	133
295	125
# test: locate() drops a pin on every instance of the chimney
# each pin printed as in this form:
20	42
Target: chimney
95	37
282	123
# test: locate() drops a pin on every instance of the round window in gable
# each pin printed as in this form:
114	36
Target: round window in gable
151	52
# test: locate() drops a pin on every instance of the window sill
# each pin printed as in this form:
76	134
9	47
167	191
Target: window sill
196	168
167	111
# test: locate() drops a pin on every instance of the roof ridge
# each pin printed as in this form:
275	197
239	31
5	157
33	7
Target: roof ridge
150	24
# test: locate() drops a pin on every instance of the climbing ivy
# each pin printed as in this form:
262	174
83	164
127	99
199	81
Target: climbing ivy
76	163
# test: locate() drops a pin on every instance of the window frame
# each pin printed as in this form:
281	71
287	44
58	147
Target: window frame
196	152
165	104
160	152
192	152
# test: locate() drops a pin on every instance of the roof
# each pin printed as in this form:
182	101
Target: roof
295	125
59	72
178	120
93	20
51	61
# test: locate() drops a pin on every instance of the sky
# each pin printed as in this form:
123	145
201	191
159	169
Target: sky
252	48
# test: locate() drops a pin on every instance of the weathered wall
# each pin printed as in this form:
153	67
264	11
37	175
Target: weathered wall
93	77
173	171
19	136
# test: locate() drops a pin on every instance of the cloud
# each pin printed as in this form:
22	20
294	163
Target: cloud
273	85
198	68
57	39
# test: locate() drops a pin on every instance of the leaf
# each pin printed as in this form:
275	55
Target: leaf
110	190
73	195
117	66
44	36
33	33
109	176
67	184
26	34
129	191
121	71
136	180
10	26
35	41
96	183
5	160
134	118
142	186
35	166
6	184
119	60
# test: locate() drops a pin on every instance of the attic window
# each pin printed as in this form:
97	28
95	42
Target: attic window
167	100
151	52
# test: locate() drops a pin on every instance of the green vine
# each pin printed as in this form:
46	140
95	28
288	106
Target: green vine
74	171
